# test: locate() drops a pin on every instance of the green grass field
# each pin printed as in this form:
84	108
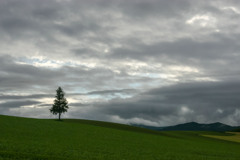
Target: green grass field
25	138
234	136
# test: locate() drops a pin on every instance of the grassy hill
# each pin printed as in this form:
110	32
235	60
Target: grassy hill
25	138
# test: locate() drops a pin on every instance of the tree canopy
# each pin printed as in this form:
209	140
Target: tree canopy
60	105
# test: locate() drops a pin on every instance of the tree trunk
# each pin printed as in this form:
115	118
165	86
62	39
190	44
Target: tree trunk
59	116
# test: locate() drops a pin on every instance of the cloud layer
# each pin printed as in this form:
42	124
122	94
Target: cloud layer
151	62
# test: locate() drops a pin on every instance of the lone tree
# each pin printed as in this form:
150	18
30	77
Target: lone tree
60	103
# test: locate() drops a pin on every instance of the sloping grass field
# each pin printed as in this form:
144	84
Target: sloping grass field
36	139
234	136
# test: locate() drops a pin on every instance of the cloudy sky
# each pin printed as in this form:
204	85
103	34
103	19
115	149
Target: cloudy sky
155	62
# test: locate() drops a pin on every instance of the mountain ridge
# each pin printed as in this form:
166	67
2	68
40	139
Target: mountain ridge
193	126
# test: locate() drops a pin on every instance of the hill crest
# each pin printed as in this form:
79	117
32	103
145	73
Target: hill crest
193	126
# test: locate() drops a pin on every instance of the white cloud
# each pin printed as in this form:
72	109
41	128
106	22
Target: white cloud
185	110
219	111
202	21
232	9
184	69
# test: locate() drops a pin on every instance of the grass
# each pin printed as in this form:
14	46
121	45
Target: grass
37	139
234	137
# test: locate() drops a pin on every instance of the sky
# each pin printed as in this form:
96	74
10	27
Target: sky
152	62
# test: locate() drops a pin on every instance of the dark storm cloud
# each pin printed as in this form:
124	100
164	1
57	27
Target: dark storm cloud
77	28
154	8
184	49
114	49
39	96
6	106
17	104
218	58
33	96
18	76
29	22
27	19
78	105
203	101
113	91
85	53
24	77
9	65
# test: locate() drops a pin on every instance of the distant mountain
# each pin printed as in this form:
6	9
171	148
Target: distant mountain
147	127
237	130
193	126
